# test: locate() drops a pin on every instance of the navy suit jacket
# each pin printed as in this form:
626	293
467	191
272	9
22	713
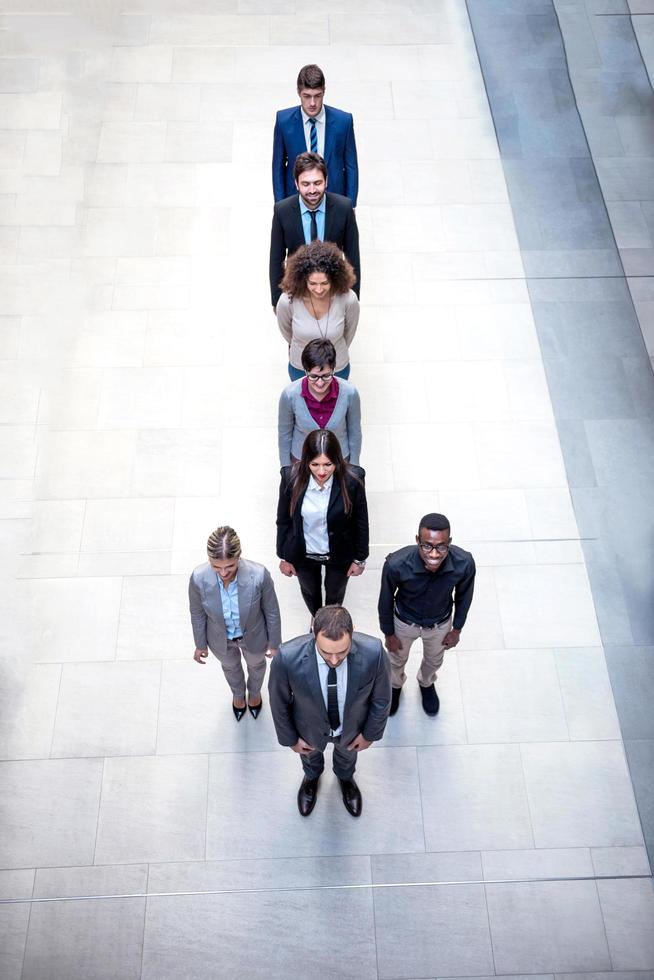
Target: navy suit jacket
340	152
287	235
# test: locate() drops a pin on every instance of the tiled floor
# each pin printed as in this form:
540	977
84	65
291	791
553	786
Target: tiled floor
139	371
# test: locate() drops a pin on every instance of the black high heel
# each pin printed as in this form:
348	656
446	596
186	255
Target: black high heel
238	712
255	709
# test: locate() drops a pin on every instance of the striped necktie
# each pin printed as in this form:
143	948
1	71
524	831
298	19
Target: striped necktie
332	700
313	136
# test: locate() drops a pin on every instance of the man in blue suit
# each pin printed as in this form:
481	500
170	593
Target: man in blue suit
315	128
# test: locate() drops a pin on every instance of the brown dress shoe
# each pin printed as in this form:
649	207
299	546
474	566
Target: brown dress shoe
307	795
351	797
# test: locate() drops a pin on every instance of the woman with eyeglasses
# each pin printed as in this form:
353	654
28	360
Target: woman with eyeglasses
318	302
322	520
319	400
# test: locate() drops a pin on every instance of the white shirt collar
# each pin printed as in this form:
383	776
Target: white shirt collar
320	118
314	485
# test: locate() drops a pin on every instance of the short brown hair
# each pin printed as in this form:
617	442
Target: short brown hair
333	622
309	161
310	77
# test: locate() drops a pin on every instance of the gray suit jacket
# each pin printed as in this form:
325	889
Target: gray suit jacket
257	606
295	422
296	700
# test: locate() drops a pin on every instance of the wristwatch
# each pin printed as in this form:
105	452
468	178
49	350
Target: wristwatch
361	564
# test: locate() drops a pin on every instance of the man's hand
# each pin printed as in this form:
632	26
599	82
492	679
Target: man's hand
393	643
359	744
355	569
451	639
286	568
302	747
271	651
200	656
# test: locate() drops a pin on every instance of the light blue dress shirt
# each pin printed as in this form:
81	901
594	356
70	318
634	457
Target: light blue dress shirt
341	685
229	599
320	220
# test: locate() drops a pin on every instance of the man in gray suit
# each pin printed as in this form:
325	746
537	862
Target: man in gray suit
234	611
335	687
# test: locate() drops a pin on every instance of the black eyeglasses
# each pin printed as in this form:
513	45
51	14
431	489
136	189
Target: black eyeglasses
319	377
440	549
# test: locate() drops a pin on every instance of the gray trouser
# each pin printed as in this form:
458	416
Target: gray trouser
433	651
233	669
343	763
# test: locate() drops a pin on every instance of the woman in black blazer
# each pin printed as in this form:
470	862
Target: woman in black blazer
322	520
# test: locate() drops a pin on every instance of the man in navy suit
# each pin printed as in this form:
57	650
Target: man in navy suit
316	128
312	213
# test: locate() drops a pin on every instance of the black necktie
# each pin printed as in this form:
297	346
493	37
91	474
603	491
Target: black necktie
314	226
332	699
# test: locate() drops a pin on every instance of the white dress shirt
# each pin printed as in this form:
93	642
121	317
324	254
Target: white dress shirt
314	517
320	130
341	685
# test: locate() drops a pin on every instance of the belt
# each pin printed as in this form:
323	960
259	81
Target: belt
422	626
323	559
235	639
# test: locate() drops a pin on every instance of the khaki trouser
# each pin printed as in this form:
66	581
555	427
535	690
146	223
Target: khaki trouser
433	651
233	669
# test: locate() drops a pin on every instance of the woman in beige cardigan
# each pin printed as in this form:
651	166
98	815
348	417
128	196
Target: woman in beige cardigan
318	301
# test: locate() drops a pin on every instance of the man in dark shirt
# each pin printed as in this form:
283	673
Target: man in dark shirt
422	586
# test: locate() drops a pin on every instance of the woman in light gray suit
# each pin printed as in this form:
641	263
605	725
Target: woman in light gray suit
234	612
319	401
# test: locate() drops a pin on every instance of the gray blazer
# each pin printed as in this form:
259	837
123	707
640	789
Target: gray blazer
257	606
296	700
295	422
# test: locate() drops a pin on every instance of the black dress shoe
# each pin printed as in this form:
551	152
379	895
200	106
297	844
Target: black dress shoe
430	701
238	712
255	709
307	795
351	797
395	699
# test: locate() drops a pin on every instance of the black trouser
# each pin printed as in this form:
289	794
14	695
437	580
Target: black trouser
309	573
344	762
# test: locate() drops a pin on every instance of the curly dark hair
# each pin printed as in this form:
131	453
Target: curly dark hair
322	257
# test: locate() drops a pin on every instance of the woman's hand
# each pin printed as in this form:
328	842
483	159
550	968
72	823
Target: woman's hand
286	568
355	569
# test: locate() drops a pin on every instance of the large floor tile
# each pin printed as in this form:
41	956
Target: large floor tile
154	622
432	930
28	703
242	788
86	939
547	926
580	795
107	709
473	797
200	692
152	809
548	604
628	910
511	696
50	812
178	943
587	694
74	619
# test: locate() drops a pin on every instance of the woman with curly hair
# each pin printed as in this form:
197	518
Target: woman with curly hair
318	302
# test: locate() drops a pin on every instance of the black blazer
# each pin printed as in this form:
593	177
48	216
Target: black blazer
287	236
348	533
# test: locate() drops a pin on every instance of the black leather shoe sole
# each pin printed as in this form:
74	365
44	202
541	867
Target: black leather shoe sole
430	701
307	796
255	710
351	797
395	699
238	712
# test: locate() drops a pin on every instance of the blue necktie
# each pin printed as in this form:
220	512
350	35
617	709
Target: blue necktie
313	136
